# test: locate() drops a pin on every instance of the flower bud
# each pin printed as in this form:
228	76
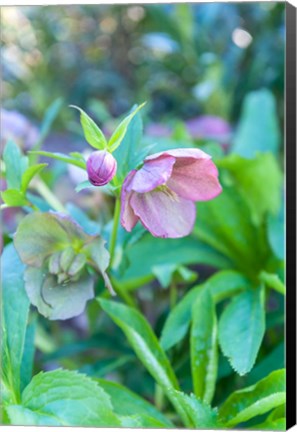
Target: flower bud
101	167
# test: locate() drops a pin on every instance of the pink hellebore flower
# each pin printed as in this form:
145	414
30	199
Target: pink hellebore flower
162	193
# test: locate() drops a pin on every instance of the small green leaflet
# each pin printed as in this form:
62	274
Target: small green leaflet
121	130
93	134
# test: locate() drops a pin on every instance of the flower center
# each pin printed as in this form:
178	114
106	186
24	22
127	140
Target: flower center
167	191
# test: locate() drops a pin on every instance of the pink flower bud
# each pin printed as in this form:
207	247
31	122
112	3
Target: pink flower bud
101	167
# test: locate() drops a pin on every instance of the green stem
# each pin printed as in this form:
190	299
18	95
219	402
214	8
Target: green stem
114	233
50	198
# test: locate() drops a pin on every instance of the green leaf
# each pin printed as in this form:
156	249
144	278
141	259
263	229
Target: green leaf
241	329
143	341
93	134
132	150
258	399
270	425
39	235
14	198
222	285
15	165
201	415
54	300
61	157
127	403
182	251
15	310
28	355
273	281
225	284
146	346
63	398
142	421
204	346
118	135
259	180
225	224
29	174
165	273
258	129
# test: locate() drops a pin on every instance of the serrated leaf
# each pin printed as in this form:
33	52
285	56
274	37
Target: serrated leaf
241	329
204	346
63	398
15	310
15	165
127	403
201	415
258	399
29	174
146	346
61	157
222	285
118	135
14	198
93	134
258	128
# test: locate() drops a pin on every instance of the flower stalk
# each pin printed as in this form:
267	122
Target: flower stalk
114	233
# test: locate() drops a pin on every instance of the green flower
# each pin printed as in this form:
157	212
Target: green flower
60	259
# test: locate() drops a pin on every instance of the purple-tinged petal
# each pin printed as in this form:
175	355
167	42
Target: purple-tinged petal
153	174
211	127
101	167
182	153
163	214
197	181
128	217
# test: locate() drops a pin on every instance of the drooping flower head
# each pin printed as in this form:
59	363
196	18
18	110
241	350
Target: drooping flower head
101	167
162	193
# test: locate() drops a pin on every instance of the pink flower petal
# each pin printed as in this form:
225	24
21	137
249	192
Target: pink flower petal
184	153
128	217
197	181
164	215
153	173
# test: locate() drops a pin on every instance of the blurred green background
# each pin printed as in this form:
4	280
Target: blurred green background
185	59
